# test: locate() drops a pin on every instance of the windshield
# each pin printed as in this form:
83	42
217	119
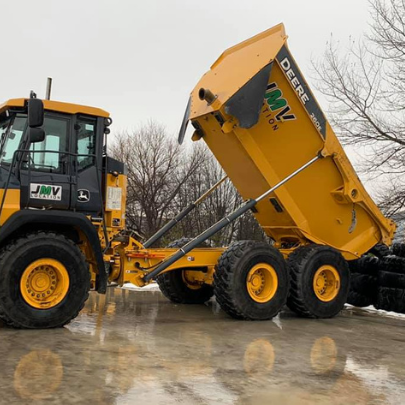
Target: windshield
11	132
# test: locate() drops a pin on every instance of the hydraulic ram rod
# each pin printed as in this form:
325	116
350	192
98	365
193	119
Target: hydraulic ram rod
181	215
222	223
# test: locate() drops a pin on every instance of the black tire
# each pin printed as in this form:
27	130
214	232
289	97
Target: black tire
391	299
391	280
230	280
368	265
364	276
174	288
380	250
360	300
17	256
398	249
304	263
364	284
363	290
393	264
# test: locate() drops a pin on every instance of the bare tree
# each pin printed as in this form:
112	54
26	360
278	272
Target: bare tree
219	204
365	87
163	179
153	160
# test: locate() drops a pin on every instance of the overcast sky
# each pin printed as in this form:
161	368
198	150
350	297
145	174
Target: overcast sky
141	59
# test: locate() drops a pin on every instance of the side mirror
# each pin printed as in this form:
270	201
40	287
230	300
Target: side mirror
36	135
35	113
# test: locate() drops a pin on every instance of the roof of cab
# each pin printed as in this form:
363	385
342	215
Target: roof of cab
57	106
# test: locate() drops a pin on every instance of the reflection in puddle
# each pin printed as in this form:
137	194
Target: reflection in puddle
38	375
259	357
323	355
135	347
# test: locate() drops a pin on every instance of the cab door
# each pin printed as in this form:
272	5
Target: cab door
87	150
45	173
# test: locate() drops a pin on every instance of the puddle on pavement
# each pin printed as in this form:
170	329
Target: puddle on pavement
135	347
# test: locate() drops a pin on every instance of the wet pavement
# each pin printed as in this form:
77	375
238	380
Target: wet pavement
135	347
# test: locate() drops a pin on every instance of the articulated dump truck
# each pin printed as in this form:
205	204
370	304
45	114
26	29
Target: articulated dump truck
63	202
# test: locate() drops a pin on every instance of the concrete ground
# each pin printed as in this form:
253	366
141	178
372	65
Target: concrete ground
135	347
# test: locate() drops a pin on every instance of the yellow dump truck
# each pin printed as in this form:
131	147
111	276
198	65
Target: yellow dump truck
62	212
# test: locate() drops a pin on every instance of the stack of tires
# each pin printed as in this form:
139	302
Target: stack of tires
378	279
364	274
364	281
391	281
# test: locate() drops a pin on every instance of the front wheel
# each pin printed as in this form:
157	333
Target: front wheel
44	281
320	280
251	281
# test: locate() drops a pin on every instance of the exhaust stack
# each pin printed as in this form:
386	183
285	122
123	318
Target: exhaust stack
48	88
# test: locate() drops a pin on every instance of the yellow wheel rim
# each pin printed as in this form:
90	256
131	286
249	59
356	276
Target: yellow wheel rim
44	283
326	283
189	280
262	282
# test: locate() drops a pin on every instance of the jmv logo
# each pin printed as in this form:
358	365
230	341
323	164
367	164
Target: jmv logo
45	192
275	102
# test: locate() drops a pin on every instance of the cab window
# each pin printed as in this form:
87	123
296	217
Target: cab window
86	142
11	137
50	155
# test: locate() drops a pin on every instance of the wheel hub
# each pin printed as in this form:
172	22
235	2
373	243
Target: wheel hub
262	282
44	283
326	283
190	281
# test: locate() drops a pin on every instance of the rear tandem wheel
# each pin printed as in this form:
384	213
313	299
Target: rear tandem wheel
320	281
251	281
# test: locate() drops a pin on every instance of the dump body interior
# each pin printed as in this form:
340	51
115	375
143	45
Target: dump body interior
262	124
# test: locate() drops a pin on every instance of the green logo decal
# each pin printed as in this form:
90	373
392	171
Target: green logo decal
46	192
275	101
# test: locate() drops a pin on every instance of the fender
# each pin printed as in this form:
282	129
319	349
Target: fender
75	220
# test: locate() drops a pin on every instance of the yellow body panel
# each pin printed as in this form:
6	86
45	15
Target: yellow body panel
11	204
130	263
50	105
326	203
232	68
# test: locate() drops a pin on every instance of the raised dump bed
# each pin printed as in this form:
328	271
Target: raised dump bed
258	116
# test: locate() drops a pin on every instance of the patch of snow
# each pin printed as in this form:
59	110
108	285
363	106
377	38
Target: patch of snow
149	287
372	309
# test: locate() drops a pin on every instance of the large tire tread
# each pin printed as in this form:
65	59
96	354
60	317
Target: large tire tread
393	264
9	250
391	280
398	249
298	300
225	280
173	288
359	300
391	299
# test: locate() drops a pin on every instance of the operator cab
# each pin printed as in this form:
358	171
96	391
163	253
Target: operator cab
53	153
